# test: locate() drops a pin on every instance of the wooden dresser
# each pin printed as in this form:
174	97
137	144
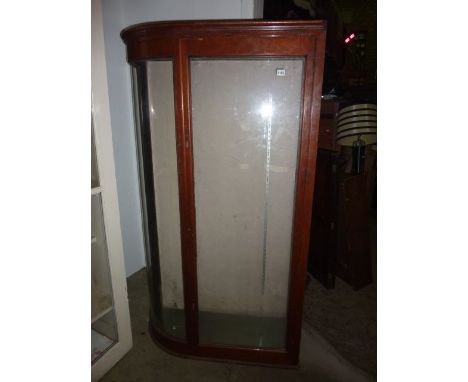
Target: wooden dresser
339	241
322	250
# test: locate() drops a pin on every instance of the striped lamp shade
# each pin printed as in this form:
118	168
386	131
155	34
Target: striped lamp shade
357	122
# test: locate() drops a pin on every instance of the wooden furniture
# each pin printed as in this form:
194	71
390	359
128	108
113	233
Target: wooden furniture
227	119
323	239
111	336
353	263
339	239
327	127
355	194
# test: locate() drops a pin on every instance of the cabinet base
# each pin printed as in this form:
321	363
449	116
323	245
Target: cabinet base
256	356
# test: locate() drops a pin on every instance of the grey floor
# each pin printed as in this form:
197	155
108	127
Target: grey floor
345	317
147	362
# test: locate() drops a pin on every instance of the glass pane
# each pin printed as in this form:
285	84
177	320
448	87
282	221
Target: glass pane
103	323
246	117
156	137
94	167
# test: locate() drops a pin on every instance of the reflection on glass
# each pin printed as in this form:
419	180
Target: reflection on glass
266	110
94	167
245	122
156	137
103	324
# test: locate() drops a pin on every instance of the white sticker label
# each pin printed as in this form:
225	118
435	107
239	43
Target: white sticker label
280	72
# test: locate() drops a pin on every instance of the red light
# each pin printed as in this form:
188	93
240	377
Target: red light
349	38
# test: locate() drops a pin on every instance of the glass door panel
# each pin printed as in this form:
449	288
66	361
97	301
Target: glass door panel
156	139
94	168
103	322
245	121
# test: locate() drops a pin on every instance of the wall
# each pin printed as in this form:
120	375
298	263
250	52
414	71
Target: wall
118	14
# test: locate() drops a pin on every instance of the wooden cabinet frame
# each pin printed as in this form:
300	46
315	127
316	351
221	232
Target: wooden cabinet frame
181	41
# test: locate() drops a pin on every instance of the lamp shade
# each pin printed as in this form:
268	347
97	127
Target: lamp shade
357	122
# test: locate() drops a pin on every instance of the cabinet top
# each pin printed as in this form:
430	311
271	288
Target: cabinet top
200	27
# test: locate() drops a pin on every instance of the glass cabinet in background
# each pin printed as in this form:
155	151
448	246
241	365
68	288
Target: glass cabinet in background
110	319
227	119
103	321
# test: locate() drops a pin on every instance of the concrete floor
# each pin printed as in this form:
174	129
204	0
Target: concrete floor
345	317
147	362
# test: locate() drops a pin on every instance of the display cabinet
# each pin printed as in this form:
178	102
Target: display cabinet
110	320
226	125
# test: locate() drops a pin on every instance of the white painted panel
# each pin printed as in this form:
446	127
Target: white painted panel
110	206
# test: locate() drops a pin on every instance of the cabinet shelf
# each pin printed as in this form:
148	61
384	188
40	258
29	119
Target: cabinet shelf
99	344
101	304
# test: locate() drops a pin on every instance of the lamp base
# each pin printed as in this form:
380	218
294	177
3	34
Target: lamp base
359	155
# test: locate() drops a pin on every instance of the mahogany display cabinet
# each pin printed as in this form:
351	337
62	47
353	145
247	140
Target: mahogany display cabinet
227	116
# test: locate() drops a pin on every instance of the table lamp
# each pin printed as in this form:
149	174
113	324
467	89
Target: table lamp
357	127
